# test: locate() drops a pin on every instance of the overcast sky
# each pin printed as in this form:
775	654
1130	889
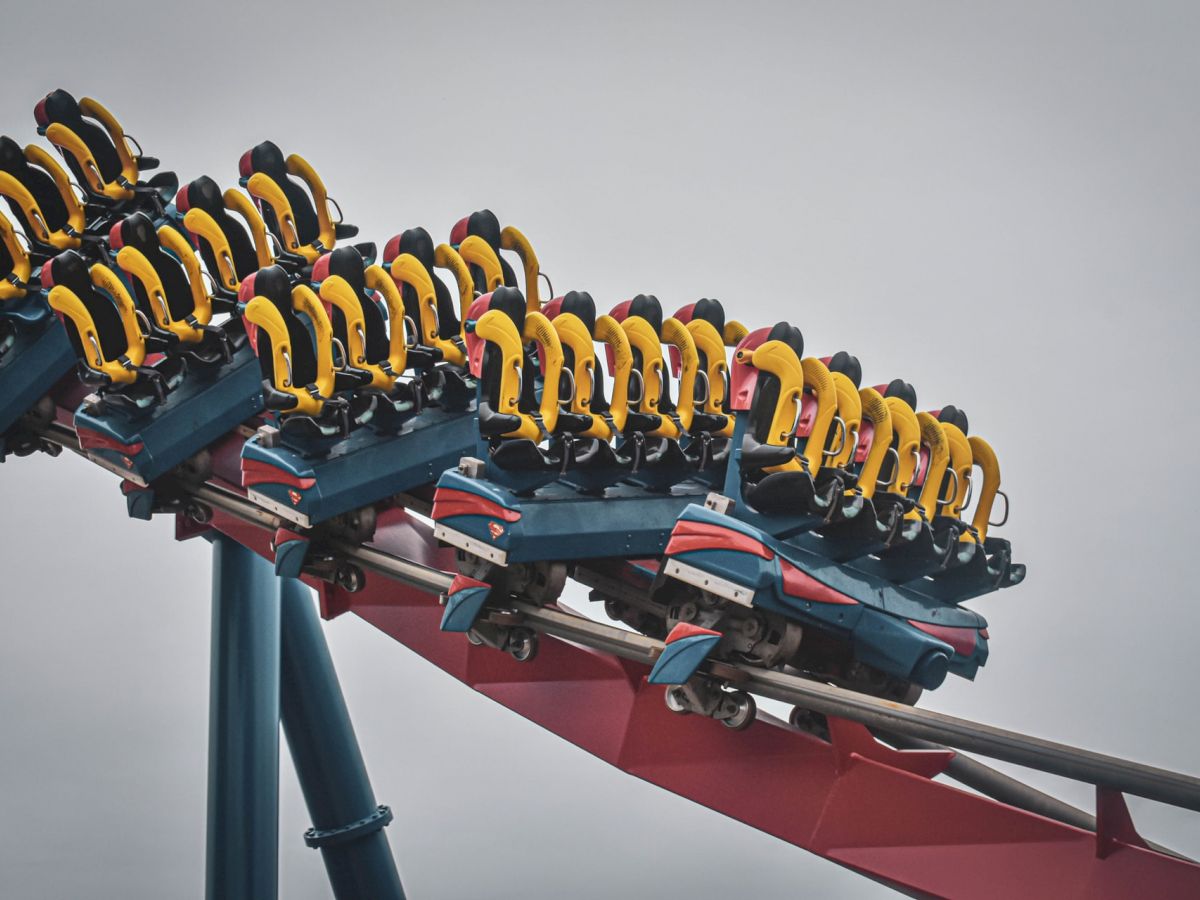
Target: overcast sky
996	202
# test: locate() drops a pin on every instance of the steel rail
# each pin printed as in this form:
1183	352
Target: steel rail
883	716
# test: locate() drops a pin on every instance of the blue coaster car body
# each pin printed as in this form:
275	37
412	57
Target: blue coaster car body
206	405
359	470
484	517
39	356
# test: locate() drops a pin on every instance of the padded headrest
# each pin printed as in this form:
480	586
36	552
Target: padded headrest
266	158
135	231
12	157
512	302
789	334
581	304
57	106
710	311
273	283
846	364
415	241
482	224
648	307
68	269
954	416
203	193
898	387
345	261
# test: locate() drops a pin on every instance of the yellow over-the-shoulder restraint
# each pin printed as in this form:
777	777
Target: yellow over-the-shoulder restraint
574	334
409	270
96	110
21	265
960	465
676	334
76	214
264	189
819	380
609	331
337	291
643	338
540	329
446	257
496	327
512	239
378	279
907	432
306	302
734	332
716	369
875	410
326	228
933	438
262	312
984	456
849	410
475	251
65	301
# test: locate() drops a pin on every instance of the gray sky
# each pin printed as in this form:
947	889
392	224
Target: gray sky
998	203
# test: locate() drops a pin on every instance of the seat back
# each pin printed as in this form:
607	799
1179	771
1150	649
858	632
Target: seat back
102	322
168	285
291	197
439	320
367	314
39	194
91	141
231	250
485	227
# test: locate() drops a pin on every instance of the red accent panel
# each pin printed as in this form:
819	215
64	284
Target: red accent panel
684	313
391	250
321	268
798	583
245	169
94	440
553	308
39	113
451	502
808	415
47	276
620	312
256	471
115	239
687	629
866	436
743	377
182	204
688	536
458	233
462	582
474	343
961	639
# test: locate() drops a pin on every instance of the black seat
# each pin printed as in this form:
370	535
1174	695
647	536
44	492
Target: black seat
40	185
204	194
418	243
268	159
483	224
347	263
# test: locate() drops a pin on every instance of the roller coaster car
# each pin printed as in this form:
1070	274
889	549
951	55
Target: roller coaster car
418	427
96	150
485	228
295	205
39	194
231	250
34	350
516	513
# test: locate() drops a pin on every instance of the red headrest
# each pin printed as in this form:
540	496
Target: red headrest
245	167
39	113
321	268
742	375
553	308
181	200
684	313
391	250
474	344
458	233
115	240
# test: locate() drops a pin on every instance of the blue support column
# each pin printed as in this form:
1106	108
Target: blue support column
243	743
347	822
